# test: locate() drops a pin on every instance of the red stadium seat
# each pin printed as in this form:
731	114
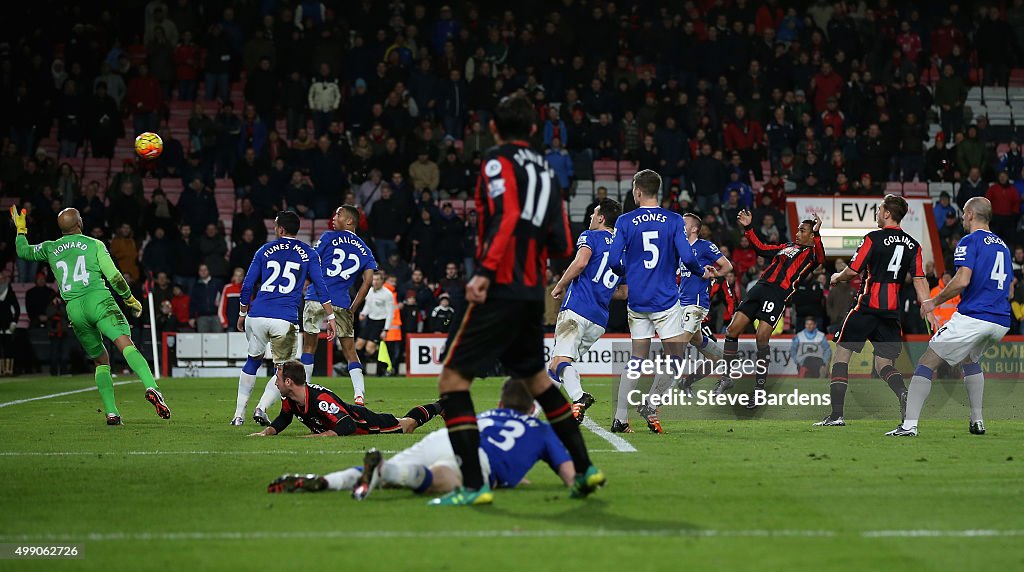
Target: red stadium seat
605	169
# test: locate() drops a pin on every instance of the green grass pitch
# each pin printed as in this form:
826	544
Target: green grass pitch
717	491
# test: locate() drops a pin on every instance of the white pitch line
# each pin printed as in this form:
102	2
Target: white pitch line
504	533
156	453
61	394
621	445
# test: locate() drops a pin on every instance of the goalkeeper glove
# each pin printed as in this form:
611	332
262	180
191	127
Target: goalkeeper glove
134	306
19	220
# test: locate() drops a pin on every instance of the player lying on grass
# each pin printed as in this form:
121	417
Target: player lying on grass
982	317
346	260
588	286
80	264
327	415
788	264
887	255
511	442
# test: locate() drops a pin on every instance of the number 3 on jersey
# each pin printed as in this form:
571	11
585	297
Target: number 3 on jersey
80	274
513	430
290	275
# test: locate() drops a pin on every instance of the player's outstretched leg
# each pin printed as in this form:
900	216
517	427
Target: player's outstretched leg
140	366
370	476
974	381
246	383
559	414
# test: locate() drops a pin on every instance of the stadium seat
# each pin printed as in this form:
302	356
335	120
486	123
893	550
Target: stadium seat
628	169
894	187
604	169
914	190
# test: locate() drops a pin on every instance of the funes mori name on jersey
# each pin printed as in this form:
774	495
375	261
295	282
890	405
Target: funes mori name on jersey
297	247
66	246
649	217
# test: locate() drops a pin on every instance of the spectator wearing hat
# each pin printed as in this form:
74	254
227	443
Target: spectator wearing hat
944	207
440	319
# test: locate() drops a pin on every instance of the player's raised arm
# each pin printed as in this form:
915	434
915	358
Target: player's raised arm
578	265
819	248
746	219
24	250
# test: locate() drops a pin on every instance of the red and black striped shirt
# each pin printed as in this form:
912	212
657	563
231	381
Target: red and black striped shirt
886	257
522	220
325	411
789	262
722	288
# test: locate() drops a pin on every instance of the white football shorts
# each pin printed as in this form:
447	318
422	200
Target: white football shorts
280	334
436	449
964	337
666	324
574	335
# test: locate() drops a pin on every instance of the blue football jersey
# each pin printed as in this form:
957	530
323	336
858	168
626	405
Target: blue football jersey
344	257
987	295
650	242
694	290
281	267
514	442
590	293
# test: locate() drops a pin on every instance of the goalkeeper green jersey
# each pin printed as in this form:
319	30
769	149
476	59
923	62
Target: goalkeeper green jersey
79	262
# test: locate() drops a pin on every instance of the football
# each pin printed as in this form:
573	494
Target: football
149	145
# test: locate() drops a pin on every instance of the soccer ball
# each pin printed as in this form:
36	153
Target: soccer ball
149	145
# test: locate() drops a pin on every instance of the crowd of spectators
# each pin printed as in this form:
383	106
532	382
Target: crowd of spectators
385	104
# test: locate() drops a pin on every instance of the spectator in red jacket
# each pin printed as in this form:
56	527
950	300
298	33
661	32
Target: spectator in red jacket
744	256
144	100
945	37
1005	205
909	42
181	302
745	135
825	84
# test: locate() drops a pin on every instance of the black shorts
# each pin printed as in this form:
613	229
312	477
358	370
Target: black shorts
885	334
372	330
511	331
372	422
764	302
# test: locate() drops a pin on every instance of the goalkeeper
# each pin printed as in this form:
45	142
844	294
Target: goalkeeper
80	263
